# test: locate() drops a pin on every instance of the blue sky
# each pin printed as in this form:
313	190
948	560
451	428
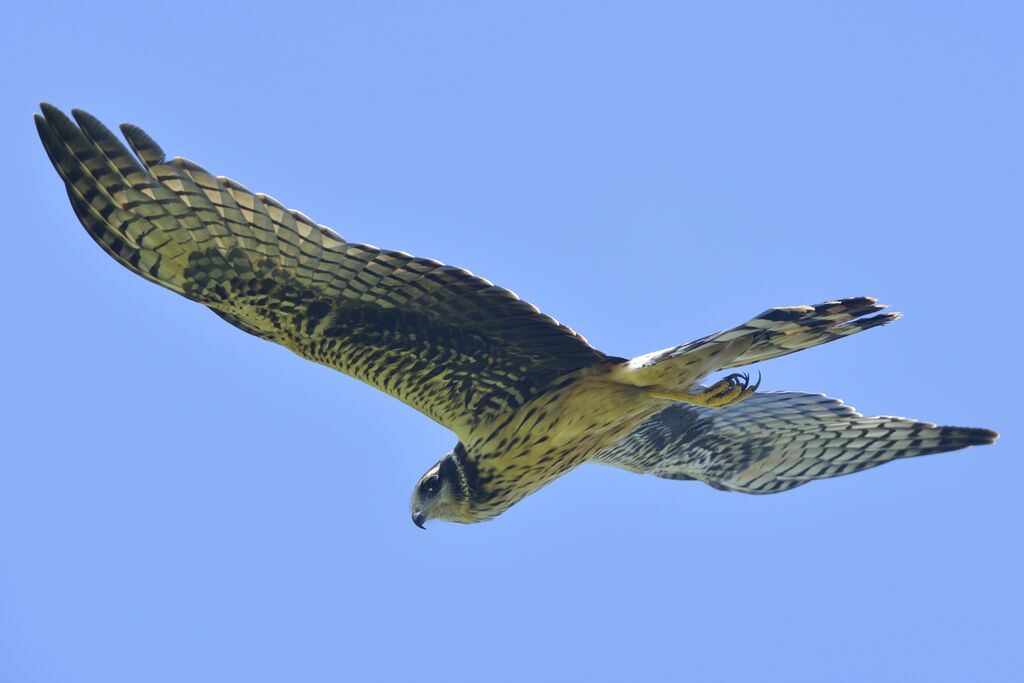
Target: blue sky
182	502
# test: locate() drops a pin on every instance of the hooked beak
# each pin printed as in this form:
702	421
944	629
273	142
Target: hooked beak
419	519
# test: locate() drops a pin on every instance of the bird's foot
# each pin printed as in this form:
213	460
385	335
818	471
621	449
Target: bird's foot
727	391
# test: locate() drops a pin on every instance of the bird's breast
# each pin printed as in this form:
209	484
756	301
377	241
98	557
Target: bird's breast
519	452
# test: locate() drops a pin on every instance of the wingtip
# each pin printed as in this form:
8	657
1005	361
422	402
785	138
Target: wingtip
91	125
972	436
59	121
861	324
987	436
81	116
50	138
145	147
51	113
42	127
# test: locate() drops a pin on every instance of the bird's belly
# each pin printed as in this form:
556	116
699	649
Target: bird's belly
553	434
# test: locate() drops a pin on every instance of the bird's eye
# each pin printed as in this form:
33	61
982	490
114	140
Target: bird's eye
431	485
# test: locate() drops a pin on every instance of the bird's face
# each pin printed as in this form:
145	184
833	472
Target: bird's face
444	492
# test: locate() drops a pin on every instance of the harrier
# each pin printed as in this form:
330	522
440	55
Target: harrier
528	398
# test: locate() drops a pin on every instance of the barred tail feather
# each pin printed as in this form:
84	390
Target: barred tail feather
777	441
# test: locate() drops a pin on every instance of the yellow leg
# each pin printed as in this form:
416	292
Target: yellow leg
727	391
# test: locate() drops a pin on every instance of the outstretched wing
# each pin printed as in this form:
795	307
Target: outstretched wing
776	441
776	332
448	343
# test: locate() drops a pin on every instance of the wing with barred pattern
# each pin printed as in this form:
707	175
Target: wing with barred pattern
776	441
448	343
776	332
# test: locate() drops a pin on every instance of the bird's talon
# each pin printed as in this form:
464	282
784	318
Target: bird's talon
727	391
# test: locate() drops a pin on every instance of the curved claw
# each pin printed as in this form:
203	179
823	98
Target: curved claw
726	392
729	390
757	384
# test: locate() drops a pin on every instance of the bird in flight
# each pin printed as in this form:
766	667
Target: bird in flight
528	398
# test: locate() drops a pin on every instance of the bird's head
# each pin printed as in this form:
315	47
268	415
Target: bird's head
445	492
